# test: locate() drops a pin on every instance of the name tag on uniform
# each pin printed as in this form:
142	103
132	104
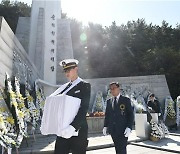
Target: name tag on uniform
77	91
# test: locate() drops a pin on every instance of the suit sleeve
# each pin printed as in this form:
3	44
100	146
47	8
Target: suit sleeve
130	118
159	107
81	115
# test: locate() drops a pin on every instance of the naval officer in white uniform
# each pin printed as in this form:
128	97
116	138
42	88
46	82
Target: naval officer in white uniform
74	137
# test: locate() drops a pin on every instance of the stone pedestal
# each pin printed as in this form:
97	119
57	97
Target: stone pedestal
95	124
141	125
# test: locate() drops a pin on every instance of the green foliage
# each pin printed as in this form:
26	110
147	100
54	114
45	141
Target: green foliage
11	11
131	50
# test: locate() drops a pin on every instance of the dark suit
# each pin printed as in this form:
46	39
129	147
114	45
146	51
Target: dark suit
117	119
77	144
156	108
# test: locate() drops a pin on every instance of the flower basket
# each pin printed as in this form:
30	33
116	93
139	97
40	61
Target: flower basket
152	138
95	124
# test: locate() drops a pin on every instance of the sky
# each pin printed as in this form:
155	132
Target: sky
104	12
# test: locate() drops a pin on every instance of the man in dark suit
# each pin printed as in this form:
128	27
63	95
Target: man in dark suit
154	106
74	137
118	118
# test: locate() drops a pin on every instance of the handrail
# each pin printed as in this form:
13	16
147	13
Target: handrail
45	83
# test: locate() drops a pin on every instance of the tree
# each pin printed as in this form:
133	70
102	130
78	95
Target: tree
11	11
131	49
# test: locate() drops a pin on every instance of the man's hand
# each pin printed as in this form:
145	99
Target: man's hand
105	131
127	132
69	132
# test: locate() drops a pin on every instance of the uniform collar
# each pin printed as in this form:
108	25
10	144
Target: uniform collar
75	81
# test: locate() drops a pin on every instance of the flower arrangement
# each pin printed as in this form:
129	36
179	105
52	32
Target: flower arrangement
8	133
164	129
138	104
34	112
178	110
95	114
23	112
169	112
109	95
40	99
14	115
98	108
98	103
17	115
3	129
170	109
158	131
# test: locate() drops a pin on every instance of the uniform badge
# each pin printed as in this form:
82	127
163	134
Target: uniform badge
63	63
122	108
77	91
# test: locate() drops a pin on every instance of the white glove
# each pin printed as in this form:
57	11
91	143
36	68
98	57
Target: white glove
69	132
150	108
159	114
105	131
127	132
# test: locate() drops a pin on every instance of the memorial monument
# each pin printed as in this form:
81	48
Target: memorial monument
47	39
43	40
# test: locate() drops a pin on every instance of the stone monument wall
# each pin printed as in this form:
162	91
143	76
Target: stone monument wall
139	85
64	47
23	31
39	49
14	59
23	34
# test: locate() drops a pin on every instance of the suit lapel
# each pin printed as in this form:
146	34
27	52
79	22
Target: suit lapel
111	103
119	100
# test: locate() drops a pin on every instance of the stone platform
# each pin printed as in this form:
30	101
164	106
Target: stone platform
45	144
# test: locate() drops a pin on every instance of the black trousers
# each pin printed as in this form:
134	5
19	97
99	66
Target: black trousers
120	143
75	144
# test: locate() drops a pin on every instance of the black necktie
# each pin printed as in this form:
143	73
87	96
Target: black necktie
115	102
66	88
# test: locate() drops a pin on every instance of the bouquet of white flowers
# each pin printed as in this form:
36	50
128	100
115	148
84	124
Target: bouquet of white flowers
156	132
164	129
138	104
